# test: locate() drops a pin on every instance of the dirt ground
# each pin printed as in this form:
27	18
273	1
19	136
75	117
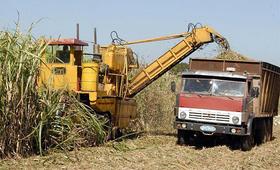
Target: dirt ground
155	152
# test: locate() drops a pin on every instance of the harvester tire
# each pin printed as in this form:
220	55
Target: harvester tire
108	125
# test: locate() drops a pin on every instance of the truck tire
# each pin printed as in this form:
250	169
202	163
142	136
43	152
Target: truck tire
181	137
247	142
269	128
261	131
185	137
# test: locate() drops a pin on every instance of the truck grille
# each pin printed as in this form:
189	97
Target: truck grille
211	117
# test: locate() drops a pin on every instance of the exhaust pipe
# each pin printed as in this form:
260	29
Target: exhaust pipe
95	45
78	31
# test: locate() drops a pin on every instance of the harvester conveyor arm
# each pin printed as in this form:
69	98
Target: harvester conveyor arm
192	41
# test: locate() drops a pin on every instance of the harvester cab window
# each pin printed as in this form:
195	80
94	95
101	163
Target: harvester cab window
58	54
63	55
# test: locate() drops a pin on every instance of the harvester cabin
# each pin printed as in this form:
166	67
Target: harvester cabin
63	61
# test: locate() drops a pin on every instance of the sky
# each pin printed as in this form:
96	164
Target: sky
252	27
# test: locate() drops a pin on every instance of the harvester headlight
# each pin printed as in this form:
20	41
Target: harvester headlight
235	119
182	115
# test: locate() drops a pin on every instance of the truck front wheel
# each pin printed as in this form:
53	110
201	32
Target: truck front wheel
247	142
184	137
181	137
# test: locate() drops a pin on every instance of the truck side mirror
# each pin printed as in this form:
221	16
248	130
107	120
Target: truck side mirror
173	86
255	92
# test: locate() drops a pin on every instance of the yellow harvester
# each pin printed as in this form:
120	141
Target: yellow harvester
101	79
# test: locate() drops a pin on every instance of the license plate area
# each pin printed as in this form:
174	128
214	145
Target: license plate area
207	128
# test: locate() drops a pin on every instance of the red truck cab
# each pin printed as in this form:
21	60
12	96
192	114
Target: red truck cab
213	102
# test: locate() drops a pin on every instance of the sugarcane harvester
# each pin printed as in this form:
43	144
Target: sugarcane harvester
101	79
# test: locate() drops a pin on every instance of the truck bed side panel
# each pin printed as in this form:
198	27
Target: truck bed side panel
269	90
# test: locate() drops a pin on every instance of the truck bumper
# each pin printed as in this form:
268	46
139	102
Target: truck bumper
214	129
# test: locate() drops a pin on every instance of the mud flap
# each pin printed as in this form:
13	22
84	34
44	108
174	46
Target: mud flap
250	125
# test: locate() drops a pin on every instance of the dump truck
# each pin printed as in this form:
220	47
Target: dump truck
101	79
227	99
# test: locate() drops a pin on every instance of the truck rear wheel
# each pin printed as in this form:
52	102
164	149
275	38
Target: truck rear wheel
269	128
261	131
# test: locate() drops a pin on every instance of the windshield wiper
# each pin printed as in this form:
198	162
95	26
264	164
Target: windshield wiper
230	97
199	95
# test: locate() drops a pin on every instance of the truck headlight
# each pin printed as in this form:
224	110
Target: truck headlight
182	115
235	119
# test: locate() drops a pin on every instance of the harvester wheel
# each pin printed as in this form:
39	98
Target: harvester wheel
116	133
108	125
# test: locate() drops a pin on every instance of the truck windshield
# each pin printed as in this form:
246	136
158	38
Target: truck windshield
214	87
202	86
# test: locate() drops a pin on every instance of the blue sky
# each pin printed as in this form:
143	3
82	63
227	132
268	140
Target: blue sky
251	26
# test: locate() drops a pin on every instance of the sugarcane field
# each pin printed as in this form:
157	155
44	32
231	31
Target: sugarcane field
139	85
